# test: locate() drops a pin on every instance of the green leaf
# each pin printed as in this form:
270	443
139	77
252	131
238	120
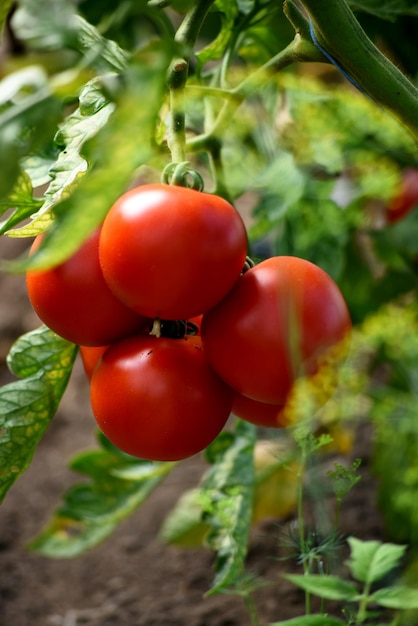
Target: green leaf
44	24
398	597
54	25
226	498
70	166
144	471
37	167
324	586
280	185
27	406
28	118
344	478
124	144
88	39
183	526
93	509
21	200
310	620
371	560
213	51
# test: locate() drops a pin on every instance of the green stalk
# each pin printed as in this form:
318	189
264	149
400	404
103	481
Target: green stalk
297	51
251	609
301	528
338	32
362	610
186	37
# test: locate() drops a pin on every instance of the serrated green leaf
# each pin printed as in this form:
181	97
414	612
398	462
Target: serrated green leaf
226	498
324	586
116	152
44	361
55	25
93	509
43	350
92	97
371	560
310	620
213	51
37	168
70	166
398	597
88	39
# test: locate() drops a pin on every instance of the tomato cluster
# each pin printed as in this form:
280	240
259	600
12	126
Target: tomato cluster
167	260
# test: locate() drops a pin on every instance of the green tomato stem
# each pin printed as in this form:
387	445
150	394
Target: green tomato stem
185	37
338	32
176	130
363	604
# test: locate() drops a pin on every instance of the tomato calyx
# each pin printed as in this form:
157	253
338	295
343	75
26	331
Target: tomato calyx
182	175
173	329
249	263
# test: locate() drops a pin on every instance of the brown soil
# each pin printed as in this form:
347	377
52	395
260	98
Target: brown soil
132	579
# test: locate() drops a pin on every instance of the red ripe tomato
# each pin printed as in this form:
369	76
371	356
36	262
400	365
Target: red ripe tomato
90	356
259	413
275	326
74	300
406	197
172	252
157	398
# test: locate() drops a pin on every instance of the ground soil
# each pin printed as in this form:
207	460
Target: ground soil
132	579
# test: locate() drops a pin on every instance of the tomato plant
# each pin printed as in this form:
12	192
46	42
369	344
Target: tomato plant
172	252
157	398
149	147
74	300
275	326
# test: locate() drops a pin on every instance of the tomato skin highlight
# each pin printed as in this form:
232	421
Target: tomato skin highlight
172	252
74	301
157	398
275	326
